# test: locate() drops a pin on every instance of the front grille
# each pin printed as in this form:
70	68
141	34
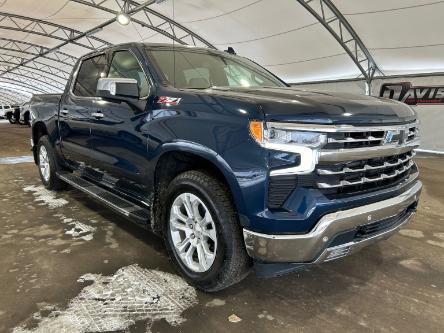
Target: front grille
345	179
354	160
363	138
348	140
366	175
363	172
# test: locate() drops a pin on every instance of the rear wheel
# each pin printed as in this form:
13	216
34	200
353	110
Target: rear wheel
48	166
17	116
202	232
11	118
27	121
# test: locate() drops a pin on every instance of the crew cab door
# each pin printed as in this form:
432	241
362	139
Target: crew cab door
76	107
119	130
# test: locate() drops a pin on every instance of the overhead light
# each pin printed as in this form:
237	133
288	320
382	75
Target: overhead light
123	18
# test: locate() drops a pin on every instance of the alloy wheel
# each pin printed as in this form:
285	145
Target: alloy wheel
44	163
193	232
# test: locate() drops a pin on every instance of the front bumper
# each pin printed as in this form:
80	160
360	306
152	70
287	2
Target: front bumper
335	235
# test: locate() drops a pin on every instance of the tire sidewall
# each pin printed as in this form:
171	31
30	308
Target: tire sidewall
27	120
176	188
50	184
12	119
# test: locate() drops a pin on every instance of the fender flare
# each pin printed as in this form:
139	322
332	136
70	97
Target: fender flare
211	156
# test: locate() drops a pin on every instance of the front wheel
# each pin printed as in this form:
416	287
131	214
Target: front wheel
48	166
202	232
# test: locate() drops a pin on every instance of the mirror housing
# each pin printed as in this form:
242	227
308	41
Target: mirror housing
117	88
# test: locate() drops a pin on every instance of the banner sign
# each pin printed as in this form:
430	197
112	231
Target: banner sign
405	92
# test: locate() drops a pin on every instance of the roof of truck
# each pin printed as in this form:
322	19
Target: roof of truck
151	46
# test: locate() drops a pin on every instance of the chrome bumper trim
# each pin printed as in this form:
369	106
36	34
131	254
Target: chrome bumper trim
311	247
343	250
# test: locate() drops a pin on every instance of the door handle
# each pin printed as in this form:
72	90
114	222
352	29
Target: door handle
64	111
97	115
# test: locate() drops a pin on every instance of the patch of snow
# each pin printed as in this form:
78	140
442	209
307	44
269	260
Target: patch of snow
215	302
435	243
17	159
80	230
234	318
116	302
45	197
412	233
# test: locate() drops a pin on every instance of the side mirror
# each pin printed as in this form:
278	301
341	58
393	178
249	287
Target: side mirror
117	88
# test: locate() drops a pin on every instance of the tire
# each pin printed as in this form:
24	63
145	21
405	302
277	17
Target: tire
17	116
11	119
226	259
27	120
48	165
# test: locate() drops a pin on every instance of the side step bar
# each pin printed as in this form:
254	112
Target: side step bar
134	212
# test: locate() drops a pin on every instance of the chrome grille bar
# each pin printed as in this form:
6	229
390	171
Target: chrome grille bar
364	180
366	167
352	154
350	139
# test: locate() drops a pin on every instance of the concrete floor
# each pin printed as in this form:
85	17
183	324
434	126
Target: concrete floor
47	242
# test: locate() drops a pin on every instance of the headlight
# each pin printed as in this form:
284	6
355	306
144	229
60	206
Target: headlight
279	137
276	135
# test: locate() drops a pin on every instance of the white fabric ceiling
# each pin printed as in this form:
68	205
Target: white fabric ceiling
402	36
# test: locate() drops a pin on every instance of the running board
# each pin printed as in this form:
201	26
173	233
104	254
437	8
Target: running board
132	211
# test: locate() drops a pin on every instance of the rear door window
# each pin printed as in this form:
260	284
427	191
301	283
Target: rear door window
90	71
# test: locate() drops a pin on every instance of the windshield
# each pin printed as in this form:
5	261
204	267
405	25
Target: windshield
197	69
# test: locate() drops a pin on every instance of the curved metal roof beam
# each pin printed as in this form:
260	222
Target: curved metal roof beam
14	90
49	29
19	86
35	49
332	19
7	99
36	79
178	32
14	98
25	81
73	38
7	60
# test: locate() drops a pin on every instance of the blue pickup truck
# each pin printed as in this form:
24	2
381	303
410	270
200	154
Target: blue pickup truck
231	166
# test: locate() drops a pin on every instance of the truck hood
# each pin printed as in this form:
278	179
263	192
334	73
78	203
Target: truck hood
295	105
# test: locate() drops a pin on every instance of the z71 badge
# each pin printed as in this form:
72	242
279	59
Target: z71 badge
405	92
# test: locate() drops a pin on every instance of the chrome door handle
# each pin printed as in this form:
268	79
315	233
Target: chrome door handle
97	114
64	111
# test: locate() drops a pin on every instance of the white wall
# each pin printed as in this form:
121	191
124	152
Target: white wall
431	116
